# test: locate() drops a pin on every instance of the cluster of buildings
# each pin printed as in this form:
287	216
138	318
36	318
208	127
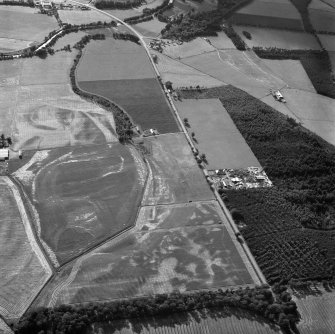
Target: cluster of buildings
252	177
159	44
58	4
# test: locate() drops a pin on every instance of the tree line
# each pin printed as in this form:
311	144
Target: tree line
105	4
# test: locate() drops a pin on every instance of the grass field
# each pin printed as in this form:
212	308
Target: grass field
22	26
322	20
327	5
175	176
82	17
213	322
182	75
328	41
93	193
216	134
142	99
4	328
184	7
283	39
150	28
241	69
69	39
114	60
24	268
222	41
292	73
156	259
187	49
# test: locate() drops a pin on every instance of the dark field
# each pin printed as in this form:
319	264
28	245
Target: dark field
83	194
142	99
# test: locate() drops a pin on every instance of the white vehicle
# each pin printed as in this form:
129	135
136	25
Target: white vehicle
278	96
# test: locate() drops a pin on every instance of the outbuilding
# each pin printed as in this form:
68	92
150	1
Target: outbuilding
4	154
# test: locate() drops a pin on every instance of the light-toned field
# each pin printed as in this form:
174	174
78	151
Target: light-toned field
157	259
182	75
187	49
69	39
315	112
316	312
292	73
82	17
174	176
83	194
327	5
328	41
214	322
24	269
41	111
114	60
322	20
186	6
150	28
25	25
124	13
241	69
4	328
216	134
222	41
282	39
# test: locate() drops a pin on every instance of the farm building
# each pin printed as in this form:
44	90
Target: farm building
4	154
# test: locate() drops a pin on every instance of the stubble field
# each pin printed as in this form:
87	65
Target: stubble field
24	268
216	134
82	17
94	193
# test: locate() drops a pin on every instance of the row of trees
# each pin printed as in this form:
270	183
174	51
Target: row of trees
5	141
29	3
236	39
126	36
106	4
68	319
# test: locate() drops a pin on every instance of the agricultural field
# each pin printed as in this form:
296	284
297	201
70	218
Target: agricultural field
291	72
327	5
114	60
24	268
195	47
322	20
184	7
30	27
69	39
222	41
4	328
282	39
156	259
78	17
93	194
328	41
241	69
215	321
317	311
265	13
41	111
150	28
182	75
216	134
174	176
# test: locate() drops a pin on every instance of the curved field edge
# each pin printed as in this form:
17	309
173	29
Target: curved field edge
14	309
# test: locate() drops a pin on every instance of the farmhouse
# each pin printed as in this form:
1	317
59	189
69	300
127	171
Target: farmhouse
4	154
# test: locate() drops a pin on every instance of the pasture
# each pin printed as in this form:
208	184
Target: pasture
282	39
328	41
23	26
222	41
182	75
327	5
322	20
158	260
24	269
114	60
216	134
78	16
93	193
150	28
291	72
241	69
195	47
142	99
174	176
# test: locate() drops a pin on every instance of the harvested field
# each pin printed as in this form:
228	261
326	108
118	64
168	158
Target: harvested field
124	13
222	41
150	28
25	25
184	7
114	60
282	39
195	47
216	321
322	20
328	41
82	17
317	311
327	5
216	134
142	99
275	14
24	268
93	193
175	176
158	260
182	75
291	72
241	69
